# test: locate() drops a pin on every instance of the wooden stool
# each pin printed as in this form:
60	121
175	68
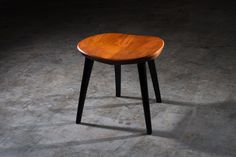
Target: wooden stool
118	49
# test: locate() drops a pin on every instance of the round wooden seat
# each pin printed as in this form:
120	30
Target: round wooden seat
121	48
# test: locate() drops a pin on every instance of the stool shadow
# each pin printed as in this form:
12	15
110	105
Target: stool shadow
122	96
131	97
127	129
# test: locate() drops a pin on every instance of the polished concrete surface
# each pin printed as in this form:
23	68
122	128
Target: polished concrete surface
41	71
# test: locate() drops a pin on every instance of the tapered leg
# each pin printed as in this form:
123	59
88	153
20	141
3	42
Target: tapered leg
118	79
88	64
153	73
144	91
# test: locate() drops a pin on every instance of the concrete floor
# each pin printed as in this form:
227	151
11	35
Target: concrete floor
41	72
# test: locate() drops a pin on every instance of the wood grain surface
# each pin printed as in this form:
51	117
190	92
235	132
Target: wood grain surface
121	48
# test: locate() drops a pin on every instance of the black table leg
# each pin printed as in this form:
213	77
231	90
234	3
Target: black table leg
153	73
144	91
88	64
118	79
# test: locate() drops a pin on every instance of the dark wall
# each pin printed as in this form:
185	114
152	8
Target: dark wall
26	17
